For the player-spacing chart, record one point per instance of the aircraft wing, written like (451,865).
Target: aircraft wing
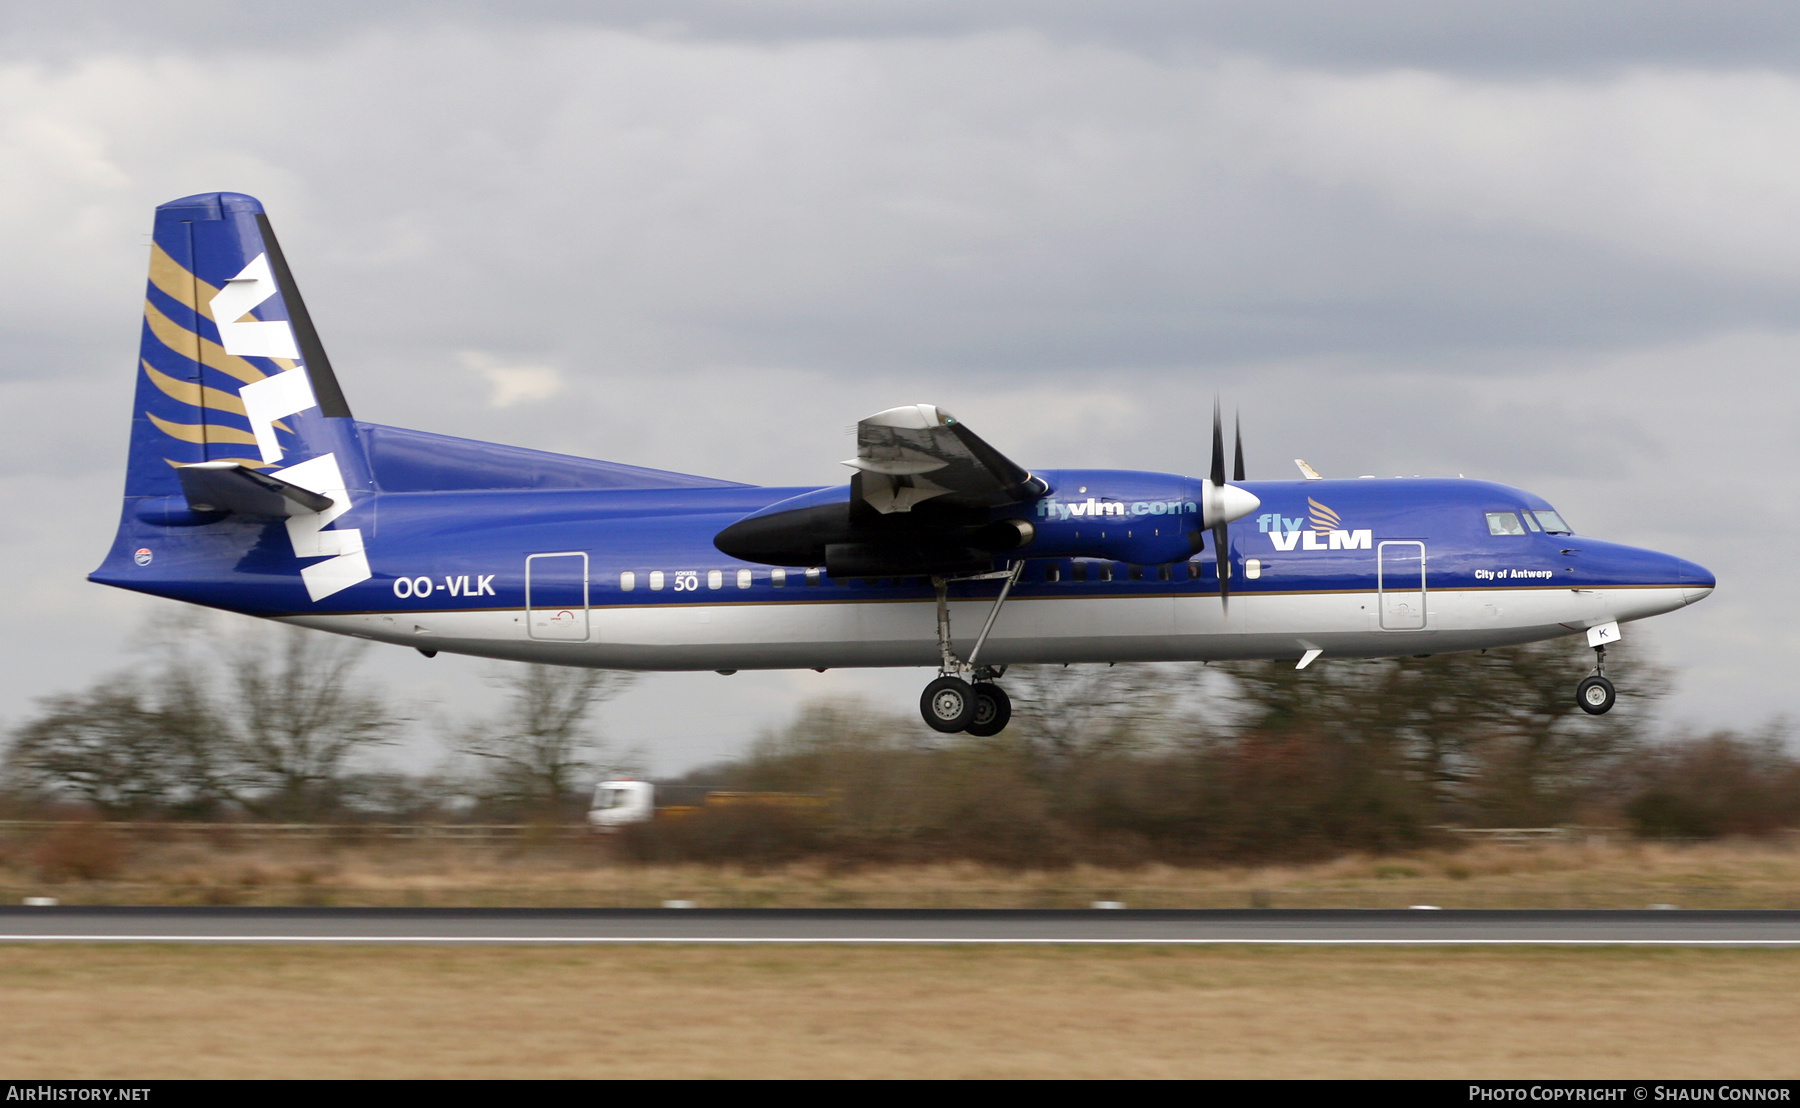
(906,456)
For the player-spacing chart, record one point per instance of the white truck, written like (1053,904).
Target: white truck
(620,802)
(623,801)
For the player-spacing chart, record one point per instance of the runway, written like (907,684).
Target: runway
(575,926)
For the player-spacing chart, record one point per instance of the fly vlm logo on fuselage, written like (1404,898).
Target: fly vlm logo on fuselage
(1325,533)
(1093,507)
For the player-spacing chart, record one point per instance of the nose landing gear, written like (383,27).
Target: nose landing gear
(1595,694)
(976,705)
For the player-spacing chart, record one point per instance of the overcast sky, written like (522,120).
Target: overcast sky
(1551,244)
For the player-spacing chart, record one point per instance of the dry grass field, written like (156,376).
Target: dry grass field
(175,1011)
(1617,873)
(195,1011)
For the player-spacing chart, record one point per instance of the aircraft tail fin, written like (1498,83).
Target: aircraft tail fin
(230,368)
(237,414)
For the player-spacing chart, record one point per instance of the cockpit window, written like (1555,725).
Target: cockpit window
(1531,520)
(1504,523)
(1553,523)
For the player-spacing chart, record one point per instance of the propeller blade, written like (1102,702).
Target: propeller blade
(1222,556)
(1218,453)
(1221,540)
(1237,469)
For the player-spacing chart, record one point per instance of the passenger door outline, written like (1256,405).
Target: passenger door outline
(1400,587)
(553,610)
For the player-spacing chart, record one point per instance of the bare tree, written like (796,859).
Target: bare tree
(1067,712)
(134,744)
(543,748)
(1493,736)
(297,713)
(131,748)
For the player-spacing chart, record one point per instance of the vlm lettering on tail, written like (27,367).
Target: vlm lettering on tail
(251,487)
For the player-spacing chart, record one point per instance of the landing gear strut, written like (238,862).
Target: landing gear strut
(964,696)
(1595,693)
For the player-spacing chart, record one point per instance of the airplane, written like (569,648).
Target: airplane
(250,487)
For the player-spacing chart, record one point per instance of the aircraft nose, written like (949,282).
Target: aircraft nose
(1696,580)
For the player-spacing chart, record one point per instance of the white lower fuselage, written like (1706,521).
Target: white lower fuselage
(868,632)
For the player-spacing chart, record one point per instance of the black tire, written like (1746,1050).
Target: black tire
(993,711)
(948,704)
(1596,696)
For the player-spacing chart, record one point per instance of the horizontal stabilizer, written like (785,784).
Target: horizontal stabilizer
(234,487)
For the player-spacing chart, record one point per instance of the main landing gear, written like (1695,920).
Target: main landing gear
(1595,693)
(981,708)
(964,696)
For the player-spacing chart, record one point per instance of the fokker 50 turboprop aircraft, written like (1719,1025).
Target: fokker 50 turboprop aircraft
(250,487)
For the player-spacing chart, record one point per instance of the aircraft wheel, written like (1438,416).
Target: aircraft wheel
(1595,695)
(948,705)
(993,710)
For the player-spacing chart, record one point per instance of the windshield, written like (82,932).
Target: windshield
(610,798)
(1553,523)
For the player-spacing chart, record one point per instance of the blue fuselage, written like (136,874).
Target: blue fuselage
(1118,569)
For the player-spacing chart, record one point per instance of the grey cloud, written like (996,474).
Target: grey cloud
(1531,36)
(989,204)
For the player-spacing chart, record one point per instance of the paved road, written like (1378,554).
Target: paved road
(530,925)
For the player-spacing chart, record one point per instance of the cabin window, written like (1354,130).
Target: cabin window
(1136,573)
(1078,571)
(1504,523)
(627,581)
(656,580)
(715,579)
(812,578)
(743,578)
(1162,573)
(1193,571)
(1106,571)
(778,577)
(1252,568)
(1553,523)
